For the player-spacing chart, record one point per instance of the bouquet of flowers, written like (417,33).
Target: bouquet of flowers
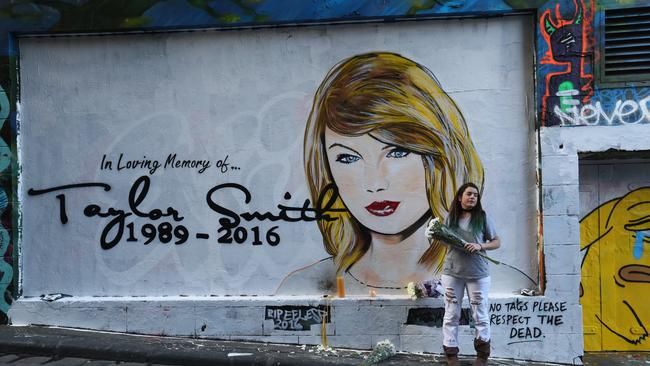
(383,350)
(439,231)
(414,291)
(429,288)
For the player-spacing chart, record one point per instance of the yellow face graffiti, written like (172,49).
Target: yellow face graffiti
(615,241)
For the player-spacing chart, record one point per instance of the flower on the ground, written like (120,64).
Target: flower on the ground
(383,350)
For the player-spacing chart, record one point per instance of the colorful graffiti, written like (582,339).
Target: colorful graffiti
(615,242)
(594,114)
(569,47)
(61,15)
(6,260)
(609,107)
(5,107)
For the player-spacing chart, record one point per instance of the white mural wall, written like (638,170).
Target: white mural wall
(172,164)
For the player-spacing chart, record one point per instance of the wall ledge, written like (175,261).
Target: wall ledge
(352,322)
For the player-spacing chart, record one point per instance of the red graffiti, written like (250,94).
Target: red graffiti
(569,44)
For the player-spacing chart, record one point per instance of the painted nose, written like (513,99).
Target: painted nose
(375,180)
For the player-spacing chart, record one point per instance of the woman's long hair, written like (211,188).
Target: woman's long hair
(477,221)
(398,102)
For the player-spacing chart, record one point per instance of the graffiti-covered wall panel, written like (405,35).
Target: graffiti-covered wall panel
(566,30)
(615,206)
(268,161)
(7,197)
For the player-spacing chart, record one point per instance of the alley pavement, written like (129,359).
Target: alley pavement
(50,346)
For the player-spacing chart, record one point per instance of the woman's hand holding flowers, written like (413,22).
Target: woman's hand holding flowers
(437,230)
(473,247)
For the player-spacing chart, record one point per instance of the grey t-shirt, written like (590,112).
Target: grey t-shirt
(466,265)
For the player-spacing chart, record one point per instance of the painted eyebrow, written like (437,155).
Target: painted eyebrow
(345,147)
(388,146)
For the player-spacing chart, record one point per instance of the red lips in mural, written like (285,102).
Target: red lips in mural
(383,208)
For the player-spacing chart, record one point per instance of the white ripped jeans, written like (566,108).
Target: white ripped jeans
(477,290)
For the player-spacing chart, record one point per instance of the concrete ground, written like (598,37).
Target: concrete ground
(34,360)
(617,358)
(56,346)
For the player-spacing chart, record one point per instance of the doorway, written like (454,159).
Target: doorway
(615,248)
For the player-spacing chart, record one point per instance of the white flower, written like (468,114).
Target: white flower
(414,290)
(410,290)
(383,350)
(431,227)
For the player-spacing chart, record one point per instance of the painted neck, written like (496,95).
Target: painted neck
(392,260)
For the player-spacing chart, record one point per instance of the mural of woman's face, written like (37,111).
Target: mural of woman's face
(382,185)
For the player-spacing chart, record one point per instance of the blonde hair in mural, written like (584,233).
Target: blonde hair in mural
(397,102)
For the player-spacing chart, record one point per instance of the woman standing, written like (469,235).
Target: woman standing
(465,270)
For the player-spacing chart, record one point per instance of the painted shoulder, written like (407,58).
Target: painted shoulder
(318,278)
